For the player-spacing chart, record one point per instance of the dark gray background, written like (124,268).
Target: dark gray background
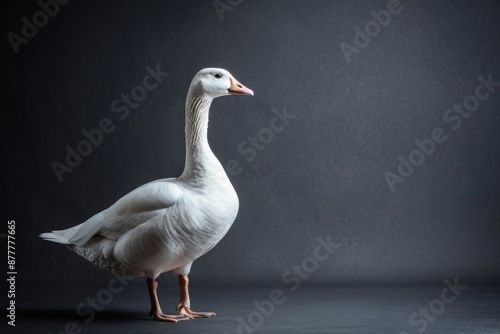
(322,175)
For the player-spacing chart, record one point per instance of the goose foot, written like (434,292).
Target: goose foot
(168,317)
(184,306)
(186,311)
(156,312)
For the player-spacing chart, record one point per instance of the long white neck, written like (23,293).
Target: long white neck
(200,160)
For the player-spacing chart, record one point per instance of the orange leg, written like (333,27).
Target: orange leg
(184,305)
(155,305)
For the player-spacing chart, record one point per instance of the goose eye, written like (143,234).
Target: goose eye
(218,75)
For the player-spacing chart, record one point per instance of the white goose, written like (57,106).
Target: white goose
(166,224)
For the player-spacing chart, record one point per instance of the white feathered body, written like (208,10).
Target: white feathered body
(158,227)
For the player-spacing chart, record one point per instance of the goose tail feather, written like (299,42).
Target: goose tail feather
(61,236)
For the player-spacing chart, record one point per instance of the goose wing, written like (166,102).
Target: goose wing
(128,212)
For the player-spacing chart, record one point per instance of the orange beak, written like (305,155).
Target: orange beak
(238,89)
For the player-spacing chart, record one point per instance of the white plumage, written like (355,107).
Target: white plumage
(167,224)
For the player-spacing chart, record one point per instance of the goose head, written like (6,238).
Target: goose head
(214,82)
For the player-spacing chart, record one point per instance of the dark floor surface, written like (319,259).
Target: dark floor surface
(352,310)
